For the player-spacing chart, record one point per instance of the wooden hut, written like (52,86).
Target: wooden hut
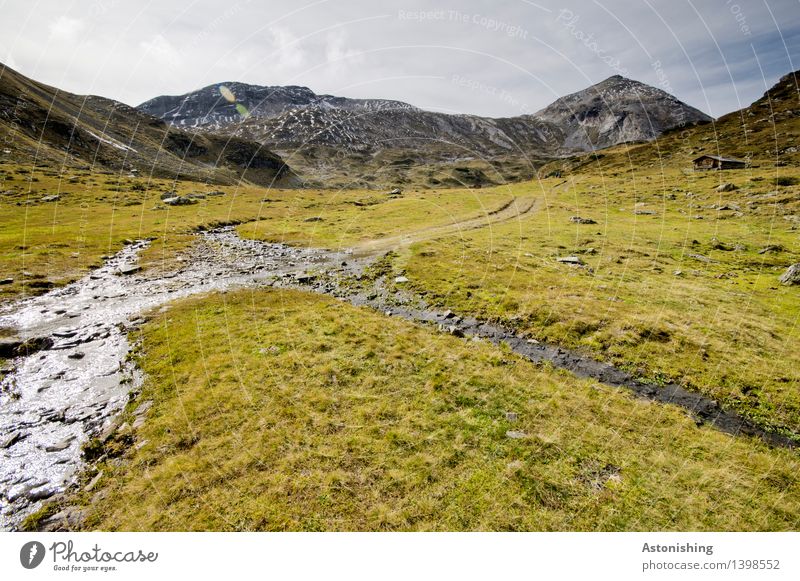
(716,162)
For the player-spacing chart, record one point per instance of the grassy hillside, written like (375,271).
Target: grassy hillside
(44,126)
(289,411)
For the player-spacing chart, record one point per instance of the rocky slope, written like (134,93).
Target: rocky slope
(615,111)
(44,125)
(288,118)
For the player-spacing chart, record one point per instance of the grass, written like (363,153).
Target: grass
(280,410)
(46,244)
(664,293)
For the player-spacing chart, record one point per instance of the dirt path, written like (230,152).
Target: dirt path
(515,208)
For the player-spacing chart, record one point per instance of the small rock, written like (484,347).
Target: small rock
(455,331)
(579,220)
(143,408)
(59,446)
(644,212)
(6,280)
(127,269)
(448,314)
(400,279)
(12,439)
(512,416)
(726,187)
(93,482)
(792,275)
(314,219)
(53,198)
(701,258)
(40,494)
(179,201)
(77,355)
(768,249)
(515,435)
(570,260)
(396,192)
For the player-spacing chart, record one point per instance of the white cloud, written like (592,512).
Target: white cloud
(338,57)
(286,50)
(66,28)
(161,52)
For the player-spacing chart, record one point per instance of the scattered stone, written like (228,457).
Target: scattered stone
(792,275)
(127,269)
(179,201)
(644,212)
(515,435)
(314,219)
(40,494)
(60,446)
(68,519)
(455,331)
(770,248)
(53,198)
(304,278)
(701,258)
(77,355)
(726,187)
(574,260)
(400,279)
(512,416)
(169,195)
(216,193)
(12,439)
(93,482)
(579,220)
(448,314)
(6,280)
(717,244)
(143,408)
(396,192)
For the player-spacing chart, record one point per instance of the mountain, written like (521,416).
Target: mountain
(615,111)
(765,132)
(611,112)
(42,124)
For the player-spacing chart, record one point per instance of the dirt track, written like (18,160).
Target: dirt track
(515,208)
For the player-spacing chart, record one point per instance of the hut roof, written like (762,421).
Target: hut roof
(718,158)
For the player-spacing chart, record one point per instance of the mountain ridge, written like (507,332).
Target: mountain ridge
(607,113)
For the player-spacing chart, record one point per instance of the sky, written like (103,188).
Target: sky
(496,58)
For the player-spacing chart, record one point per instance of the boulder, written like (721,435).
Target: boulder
(574,260)
(727,187)
(53,198)
(792,275)
(579,220)
(6,280)
(396,192)
(126,269)
(179,201)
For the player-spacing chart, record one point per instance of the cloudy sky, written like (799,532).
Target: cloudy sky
(498,58)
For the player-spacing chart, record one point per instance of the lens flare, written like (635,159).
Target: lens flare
(242,110)
(227,94)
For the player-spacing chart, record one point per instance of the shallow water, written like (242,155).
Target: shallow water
(55,399)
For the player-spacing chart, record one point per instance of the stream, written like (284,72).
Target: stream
(54,399)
